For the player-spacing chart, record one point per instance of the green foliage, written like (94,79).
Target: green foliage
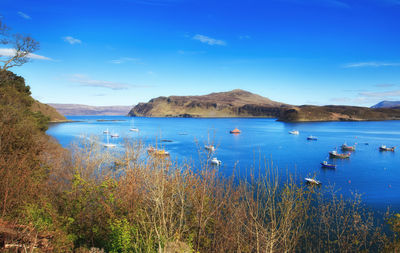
(9,79)
(121,236)
(39,217)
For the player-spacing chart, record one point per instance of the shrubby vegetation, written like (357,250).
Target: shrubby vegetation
(90,199)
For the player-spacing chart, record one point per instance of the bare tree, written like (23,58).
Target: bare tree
(20,48)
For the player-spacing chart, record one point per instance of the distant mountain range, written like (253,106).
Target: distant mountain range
(240,103)
(387,104)
(77,109)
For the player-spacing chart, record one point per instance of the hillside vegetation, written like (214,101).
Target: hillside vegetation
(307,113)
(91,199)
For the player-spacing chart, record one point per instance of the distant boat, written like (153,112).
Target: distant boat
(235,131)
(106,131)
(384,148)
(133,129)
(325,164)
(215,161)
(346,147)
(312,138)
(157,152)
(108,144)
(335,154)
(210,148)
(114,135)
(312,181)
(295,132)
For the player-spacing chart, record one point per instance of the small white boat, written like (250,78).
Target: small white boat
(215,161)
(384,148)
(133,129)
(312,181)
(114,135)
(335,154)
(312,138)
(108,144)
(210,148)
(295,132)
(106,131)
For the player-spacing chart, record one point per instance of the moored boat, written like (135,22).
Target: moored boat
(157,152)
(295,132)
(346,147)
(312,138)
(210,148)
(108,144)
(114,135)
(235,131)
(312,181)
(335,154)
(384,148)
(133,129)
(215,161)
(325,164)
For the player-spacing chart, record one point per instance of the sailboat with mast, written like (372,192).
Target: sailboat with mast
(108,144)
(133,129)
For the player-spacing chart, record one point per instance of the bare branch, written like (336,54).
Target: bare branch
(22,47)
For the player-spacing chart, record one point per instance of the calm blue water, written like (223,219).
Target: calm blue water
(374,174)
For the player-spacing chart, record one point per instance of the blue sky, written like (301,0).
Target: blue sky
(121,52)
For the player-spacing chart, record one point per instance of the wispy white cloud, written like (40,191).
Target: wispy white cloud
(371,64)
(71,40)
(209,40)
(84,80)
(381,94)
(385,85)
(124,60)
(7,52)
(24,15)
(354,101)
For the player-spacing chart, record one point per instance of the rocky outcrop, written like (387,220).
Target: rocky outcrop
(308,113)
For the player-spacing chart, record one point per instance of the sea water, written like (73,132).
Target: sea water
(374,174)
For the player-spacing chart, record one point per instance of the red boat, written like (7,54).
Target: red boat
(235,131)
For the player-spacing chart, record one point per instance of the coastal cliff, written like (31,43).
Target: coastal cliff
(309,113)
(235,103)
